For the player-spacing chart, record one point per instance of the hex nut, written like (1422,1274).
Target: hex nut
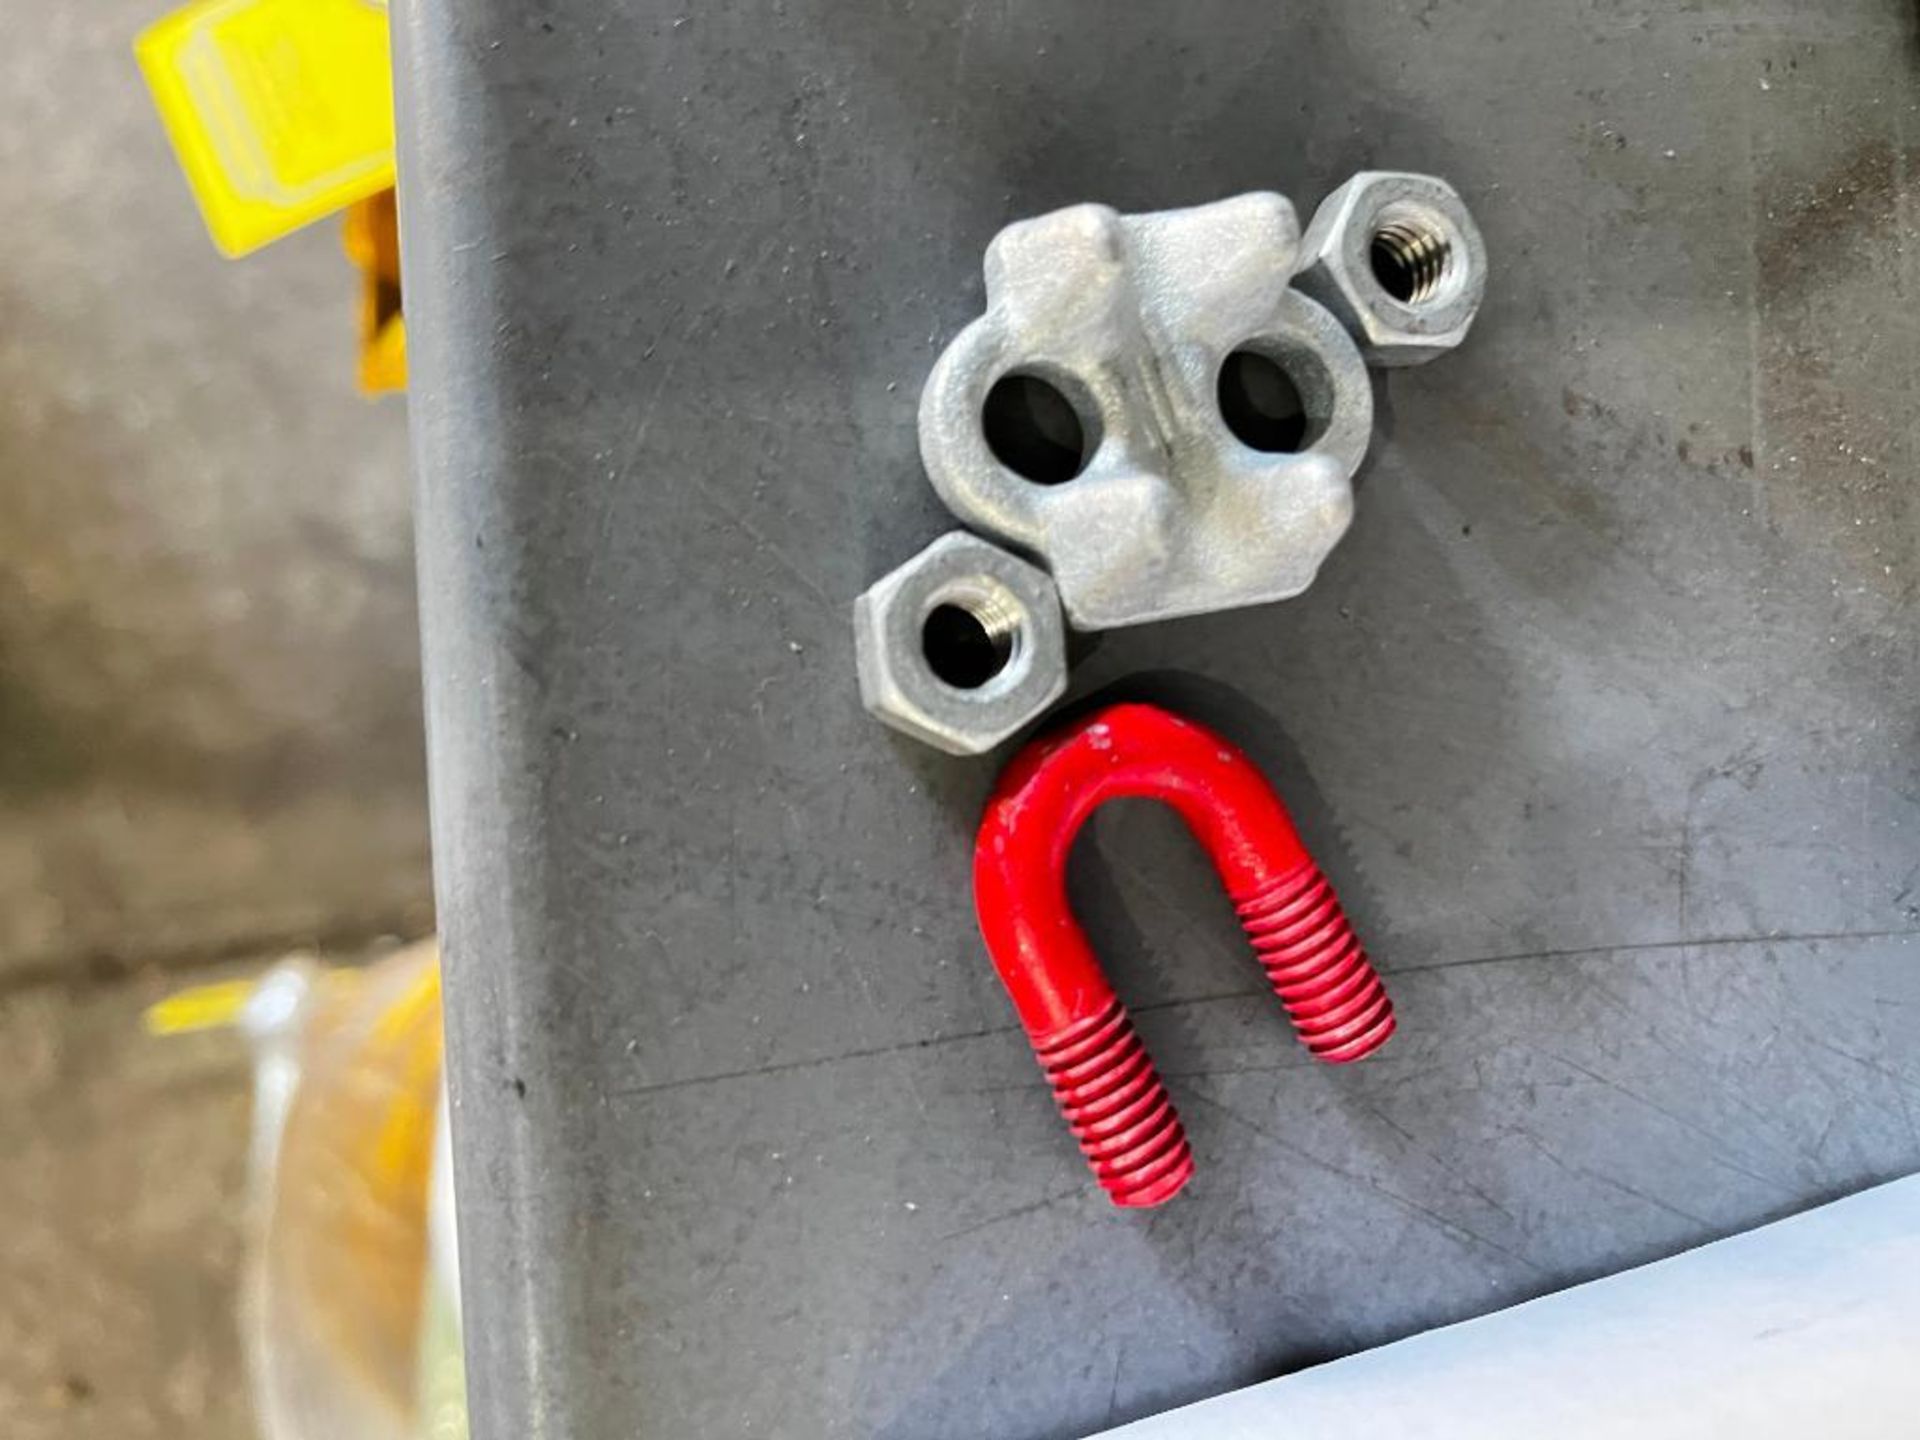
(1399,260)
(1010,610)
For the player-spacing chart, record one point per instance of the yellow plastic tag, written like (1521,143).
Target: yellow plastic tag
(281,111)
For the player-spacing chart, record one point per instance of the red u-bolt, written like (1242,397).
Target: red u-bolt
(1112,1097)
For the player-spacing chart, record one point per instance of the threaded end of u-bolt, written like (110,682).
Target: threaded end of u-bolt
(1317,967)
(1117,1107)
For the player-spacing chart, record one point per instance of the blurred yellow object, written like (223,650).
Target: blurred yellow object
(219,1006)
(349,1311)
(372,241)
(204,1007)
(345,1245)
(281,111)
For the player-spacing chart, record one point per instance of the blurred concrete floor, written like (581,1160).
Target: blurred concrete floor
(209,719)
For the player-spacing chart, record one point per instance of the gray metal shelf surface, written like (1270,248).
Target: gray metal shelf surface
(1602,717)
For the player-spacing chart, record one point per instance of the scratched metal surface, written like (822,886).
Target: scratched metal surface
(1604,714)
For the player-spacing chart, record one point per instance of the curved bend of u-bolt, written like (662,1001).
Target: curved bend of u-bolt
(1105,1083)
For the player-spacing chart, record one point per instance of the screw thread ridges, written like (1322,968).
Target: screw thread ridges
(1316,966)
(1117,1107)
(1415,255)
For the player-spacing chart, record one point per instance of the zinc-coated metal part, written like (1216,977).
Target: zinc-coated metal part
(1016,606)
(1131,318)
(1415,228)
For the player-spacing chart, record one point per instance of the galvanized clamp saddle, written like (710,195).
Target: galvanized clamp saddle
(1165,412)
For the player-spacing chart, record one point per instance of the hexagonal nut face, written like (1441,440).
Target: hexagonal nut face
(961,646)
(1399,260)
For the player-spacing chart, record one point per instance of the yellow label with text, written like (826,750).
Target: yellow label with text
(281,111)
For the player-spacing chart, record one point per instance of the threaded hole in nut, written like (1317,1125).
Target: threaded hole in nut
(970,641)
(1033,430)
(1410,259)
(1275,403)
